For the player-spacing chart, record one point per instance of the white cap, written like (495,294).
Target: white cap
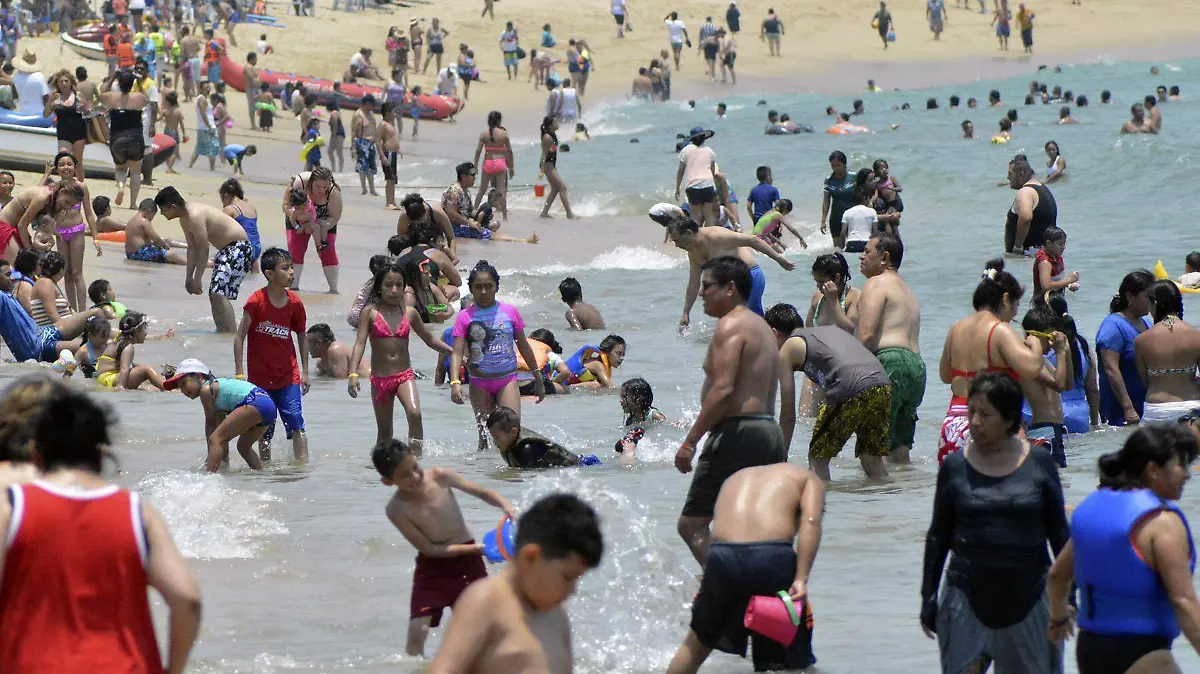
(663,212)
(186,367)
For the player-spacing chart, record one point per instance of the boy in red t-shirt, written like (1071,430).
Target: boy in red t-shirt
(269,317)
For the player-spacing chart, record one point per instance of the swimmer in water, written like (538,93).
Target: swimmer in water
(1064,115)
(332,356)
(1005,130)
(1044,392)
(1057,168)
(835,298)
(580,315)
(969,130)
(1137,122)
(523,448)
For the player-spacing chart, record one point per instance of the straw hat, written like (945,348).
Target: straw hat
(28,63)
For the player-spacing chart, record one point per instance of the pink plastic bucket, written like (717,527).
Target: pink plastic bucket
(776,618)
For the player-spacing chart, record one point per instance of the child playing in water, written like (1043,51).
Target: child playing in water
(592,366)
(523,448)
(95,335)
(366,294)
(236,156)
(426,513)
(767,227)
(333,357)
(303,214)
(105,222)
(1044,392)
(269,319)
(392,374)
(103,297)
(1191,263)
(233,408)
(581,132)
(1049,270)
(580,315)
(517,616)
(637,402)
(115,367)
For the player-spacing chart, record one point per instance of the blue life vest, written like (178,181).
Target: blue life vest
(1120,594)
(575,362)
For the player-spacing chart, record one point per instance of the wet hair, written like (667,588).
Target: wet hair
(1002,392)
(831,265)
(169,196)
(729,269)
(1136,281)
(421,232)
(784,206)
(97,325)
(954,101)
(762,173)
(1005,124)
(611,342)
(1105,96)
(52,263)
(1165,300)
(546,337)
(97,290)
(863,193)
(547,122)
(1021,170)
(414,206)
(680,225)
(562,525)
(322,173)
(321,331)
(388,454)
(570,290)
(272,258)
(784,319)
(464,169)
(505,418)
(1054,235)
(931,104)
(639,394)
(1174,91)
(996,283)
(994,95)
(1193,260)
(1150,101)
(1066,323)
(1028,99)
(1040,318)
(20,408)
(493,123)
(129,326)
(376,263)
(391,266)
(101,206)
(233,189)
(485,267)
(838,156)
(1157,443)
(1011,114)
(892,245)
(1081,101)
(26,261)
(298,197)
(147,206)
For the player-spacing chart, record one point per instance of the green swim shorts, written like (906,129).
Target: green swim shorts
(907,372)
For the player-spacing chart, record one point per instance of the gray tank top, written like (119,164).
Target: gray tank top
(840,364)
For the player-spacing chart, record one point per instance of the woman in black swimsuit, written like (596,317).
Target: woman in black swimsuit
(548,165)
(126,140)
(69,106)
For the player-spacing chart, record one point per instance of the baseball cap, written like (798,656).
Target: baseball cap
(663,212)
(186,367)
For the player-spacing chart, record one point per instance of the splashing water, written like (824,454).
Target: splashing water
(210,519)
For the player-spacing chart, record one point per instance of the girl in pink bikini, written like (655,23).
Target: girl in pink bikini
(498,165)
(487,336)
(70,230)
(392,375)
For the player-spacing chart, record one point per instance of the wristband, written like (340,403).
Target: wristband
(353,375)
(455,383)
(242,377)
(688,446)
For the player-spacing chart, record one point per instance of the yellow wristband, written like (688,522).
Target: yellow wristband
(240,376)
(354,375)
(455,383)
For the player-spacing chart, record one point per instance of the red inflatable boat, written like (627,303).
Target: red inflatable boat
(428,106)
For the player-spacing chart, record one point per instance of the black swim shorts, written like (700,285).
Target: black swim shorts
(126,146)
(526,388)
(701,195)
(388,164)
(733,444)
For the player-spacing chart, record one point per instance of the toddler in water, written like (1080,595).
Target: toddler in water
(424,509)
(96,334)
(523,448)
(767,227)
(637,402)
(889,188)
(1192,266)
(103,297)
(303,214)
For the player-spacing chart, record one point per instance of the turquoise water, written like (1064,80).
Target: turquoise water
(302,572)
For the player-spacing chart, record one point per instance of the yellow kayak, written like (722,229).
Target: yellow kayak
(1160,273)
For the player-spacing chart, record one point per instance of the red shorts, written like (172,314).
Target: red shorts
(438,581)
(7,234)
(955,432)
(297,243)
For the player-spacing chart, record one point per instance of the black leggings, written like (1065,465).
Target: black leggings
(1102,654)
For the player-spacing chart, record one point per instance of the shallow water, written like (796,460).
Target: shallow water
(301,570)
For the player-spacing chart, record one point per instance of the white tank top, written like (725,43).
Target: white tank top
(204,115)
(570,109)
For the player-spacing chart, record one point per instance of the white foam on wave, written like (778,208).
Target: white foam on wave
(210,519)
(605,127)
(623,257)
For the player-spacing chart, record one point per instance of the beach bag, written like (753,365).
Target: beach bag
(520,53)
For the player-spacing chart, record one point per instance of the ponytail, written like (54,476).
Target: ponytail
(1158,444)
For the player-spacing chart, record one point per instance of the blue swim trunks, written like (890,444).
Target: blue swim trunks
(47,343)
(758,285)
(261,401)
(510,59)
(214,73)
(287,401)
(149,253)
(465,232)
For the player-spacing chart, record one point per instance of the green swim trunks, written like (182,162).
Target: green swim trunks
(907,372)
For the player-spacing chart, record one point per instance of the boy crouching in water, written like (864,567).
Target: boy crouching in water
(425,511)
(514,622)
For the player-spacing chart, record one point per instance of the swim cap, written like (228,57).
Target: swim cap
(662,213)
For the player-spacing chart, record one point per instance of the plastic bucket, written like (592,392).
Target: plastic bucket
(776,617)
(539,190)
(504,533)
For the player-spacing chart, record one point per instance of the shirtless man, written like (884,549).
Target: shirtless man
(643,88)
(514,622)
(253,83)
(143,244)
(362,149)
(189,56)
(225,14)
(203,226)
(1153,114)
(387,143)
(889,325)
(414,208)
(737,407)
(580,315)
(1138,122)
(332,356)
(758,513)
(704,244)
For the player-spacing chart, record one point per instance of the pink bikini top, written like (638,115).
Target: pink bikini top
(380,328)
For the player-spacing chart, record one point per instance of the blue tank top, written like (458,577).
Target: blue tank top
(1120,594)
(575,362)
(231,393)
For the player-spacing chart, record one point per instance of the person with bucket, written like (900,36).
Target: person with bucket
(755,582)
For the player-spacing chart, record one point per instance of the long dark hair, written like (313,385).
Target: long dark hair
(485,267)
(832,265)
(390,265)
(1135,282)
(546,123)
(1157,444)
(232,188)
(130,323)
(493,122)
(1165,300)
(411,272)
(996,283)
(1066,323)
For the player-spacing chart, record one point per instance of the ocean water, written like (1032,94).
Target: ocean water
(301,570)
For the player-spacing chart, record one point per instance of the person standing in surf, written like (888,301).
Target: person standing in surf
(549,167)
(362,151)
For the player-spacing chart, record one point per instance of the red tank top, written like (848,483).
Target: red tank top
(73,594)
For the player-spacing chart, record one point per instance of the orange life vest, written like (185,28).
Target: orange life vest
(212,52)
(541,353)
(125,55)
(110,45)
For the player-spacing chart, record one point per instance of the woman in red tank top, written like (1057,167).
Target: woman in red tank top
(79,555)
(984,342)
